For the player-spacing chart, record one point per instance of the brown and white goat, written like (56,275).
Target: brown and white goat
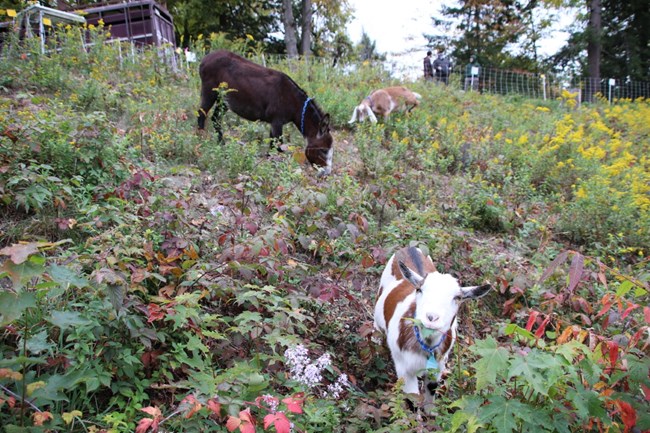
(382,102)
(410,288)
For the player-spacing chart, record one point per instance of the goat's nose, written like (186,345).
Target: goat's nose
(432,317)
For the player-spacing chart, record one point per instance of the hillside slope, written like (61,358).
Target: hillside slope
(152,278)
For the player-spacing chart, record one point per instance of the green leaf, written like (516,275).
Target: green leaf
(513,328)
(38,343)
(12,306)
(537,369)
(22,273)
(66,319)
(505,414)
(624,288)
(569,351)
(116,295)
(493,362)
(66,277)
(51,391)
(470,406)
(586,403)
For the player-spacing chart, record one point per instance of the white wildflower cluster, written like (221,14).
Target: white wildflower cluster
(310,374)
(335,389)
(271,402)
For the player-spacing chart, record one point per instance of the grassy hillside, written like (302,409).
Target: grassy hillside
(154,279)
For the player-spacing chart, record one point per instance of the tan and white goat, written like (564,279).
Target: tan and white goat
(382,102)
(410,288)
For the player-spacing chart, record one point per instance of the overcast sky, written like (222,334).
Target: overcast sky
(397,27)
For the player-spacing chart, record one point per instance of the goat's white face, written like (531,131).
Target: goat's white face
(438,297)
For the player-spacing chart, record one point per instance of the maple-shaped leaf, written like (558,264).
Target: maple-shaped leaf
(143,425)
(149,423)
(505,415)
(538,369)
(294,403)
(494,360)
(279,421)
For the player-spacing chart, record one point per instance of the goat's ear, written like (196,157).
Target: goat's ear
(411,276)
(371,115)
(475,292)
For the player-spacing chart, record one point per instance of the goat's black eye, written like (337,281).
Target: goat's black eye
(458,298)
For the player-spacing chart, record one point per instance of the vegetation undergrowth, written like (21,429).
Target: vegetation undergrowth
(155,280)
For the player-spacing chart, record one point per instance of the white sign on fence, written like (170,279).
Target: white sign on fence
(190,56)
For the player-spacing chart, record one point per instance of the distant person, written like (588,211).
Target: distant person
(472,72)
(441,67)
(428,68)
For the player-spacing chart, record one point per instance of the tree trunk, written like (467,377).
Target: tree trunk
(305,45)
(594,48)
(289,22)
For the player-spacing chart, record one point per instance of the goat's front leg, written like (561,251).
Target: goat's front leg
(276,136)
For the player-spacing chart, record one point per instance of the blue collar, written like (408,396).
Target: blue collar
(302,117)
(423,345)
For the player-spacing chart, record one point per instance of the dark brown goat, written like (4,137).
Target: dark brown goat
(255,92)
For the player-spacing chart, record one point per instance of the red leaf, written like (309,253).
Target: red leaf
(561,258)
(193,406)
(607,304)
(143,425)
(294,403)
(153,411)
(646,313)
(214,406)
(628,310)
(279,421)
(613,352)
(628,415)
(328,292)
(245,422)
(232,423)
(281,246)
(575,271)
(540,331)
(154,312)
(531,320)
(367,261)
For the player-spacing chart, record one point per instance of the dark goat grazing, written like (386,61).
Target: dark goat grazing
(255,92)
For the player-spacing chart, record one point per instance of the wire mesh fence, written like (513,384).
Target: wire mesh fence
(550,86)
